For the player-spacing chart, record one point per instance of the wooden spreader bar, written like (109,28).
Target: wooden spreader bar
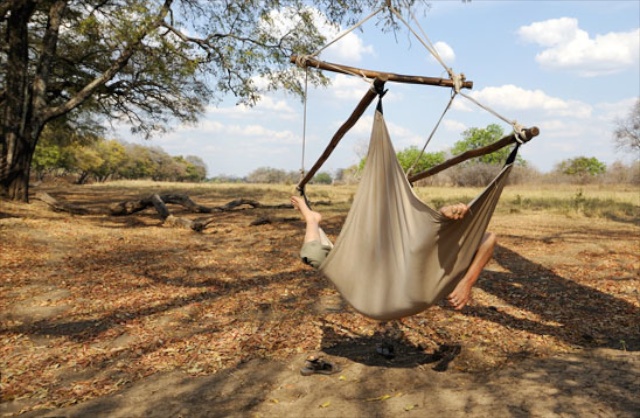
(501,143)
(380,78)
(398,78)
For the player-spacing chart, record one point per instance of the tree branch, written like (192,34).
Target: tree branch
(118,64)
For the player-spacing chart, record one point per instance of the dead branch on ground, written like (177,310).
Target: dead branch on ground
(159,203)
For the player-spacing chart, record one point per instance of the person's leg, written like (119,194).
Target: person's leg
(462,292)
(312,219)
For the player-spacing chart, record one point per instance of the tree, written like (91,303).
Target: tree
(407,158)
(138,164)
(196,169)
(627,133)
(268,175)
(148,63)
(112,154)
(474,138)
(584,169)
(54,149)
(86,160)
(322,178)
(481,170)
(47,158)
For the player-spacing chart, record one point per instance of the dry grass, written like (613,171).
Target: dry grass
(277,192)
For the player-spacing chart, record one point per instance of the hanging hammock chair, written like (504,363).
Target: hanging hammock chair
(396,256)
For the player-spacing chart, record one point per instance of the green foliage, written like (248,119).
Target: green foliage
(151,64)
(113,155)
(408,156)
(474,138)
(196,169)
(46,158)
(322,178)
(582,166)
(104,159)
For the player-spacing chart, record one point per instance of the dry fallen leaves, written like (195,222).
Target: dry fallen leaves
(90,305)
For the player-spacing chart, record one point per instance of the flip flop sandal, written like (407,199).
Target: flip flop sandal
(318,366)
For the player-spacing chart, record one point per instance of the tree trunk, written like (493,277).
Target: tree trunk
(15,177)
(17,128)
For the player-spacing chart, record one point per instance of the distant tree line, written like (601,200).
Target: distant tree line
(94,158)
(97,159)
(480,171)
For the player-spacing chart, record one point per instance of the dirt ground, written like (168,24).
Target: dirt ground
(125,317)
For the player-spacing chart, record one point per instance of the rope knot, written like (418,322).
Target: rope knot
(302,59)
(457,81)
(519,133)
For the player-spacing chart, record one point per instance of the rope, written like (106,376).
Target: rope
(457,79)
(304,122)
(430,136)
(425,42)
(519,133)
(301,60)
(345,33)
(518,129)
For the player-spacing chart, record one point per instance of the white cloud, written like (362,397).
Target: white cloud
(348,88)
(362,126)
(618,110)
(266,107)
(445,52)
(255,133)
(567,47)
(341,46)
(515,98)
(403,136)
(453,126)
(351,48)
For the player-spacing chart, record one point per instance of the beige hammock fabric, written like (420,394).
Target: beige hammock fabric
(395,256)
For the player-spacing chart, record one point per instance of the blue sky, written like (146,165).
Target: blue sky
(569,67)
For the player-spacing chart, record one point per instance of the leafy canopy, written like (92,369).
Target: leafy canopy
(474,138)
(149,62)
(413,157)
(582,166)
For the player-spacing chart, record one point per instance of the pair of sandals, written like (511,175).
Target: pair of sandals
(316,365)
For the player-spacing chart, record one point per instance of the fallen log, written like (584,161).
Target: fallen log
(159,203)
(129,207)
(58,206)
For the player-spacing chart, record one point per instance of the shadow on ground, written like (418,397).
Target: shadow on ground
(581,315)
(601,383)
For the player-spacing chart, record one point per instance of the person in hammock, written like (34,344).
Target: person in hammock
(314,252)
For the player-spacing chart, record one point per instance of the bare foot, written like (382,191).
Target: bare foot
(461,295)
(308,214)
